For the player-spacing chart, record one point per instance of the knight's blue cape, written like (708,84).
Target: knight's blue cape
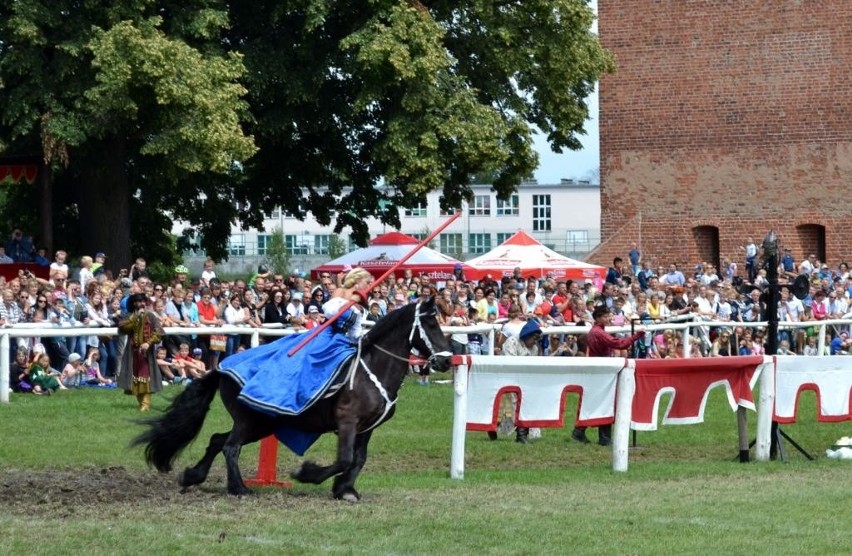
(278,384)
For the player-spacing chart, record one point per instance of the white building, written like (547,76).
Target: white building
(564,216)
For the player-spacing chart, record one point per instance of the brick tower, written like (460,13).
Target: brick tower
(726,119)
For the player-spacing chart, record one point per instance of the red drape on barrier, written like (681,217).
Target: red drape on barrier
(690,380)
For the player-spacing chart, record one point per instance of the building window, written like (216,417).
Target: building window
(509,207)
(577,236)
(451,244)
(419,236)
(479,243)
(321,244)
(541,213)
(481,206)
(419,210)
(295,245)
(263,242)
(274,214)
(502,237)
(237,245)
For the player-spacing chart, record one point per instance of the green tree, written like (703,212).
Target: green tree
(336,246)
(214,111)
(135,108)
(277,254)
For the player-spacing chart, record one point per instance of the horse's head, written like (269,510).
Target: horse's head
(427,338)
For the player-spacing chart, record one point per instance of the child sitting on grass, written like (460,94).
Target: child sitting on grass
(93,375)
(72,373)
(192,367)
(43,378)
(170,369)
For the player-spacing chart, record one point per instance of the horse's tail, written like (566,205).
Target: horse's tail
(169,433)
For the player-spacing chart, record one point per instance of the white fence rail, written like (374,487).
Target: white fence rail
(42,330)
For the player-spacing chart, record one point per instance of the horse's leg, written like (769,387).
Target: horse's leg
(310,472)
(198,474)
(249,426)
(344,484)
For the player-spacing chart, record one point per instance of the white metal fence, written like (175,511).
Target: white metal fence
(686,328)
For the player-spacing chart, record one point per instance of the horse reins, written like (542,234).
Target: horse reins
(375,380)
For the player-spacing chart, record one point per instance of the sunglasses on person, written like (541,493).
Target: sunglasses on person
(158,289)
(41,301)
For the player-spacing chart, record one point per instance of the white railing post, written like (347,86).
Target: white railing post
(820,340)
(4,368)
(255,338)
(765,409)
(687,343)
(626,389)
(459,420)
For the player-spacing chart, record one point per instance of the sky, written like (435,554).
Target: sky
(572,164)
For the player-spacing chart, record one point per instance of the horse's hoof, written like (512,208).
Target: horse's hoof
(296,474)
(349,496)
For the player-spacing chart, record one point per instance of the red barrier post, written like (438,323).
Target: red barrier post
(267,465)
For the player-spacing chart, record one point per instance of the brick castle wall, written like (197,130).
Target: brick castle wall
(725,120)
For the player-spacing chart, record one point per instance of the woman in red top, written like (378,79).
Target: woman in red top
(208,315)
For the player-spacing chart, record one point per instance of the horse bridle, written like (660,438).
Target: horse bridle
(417,326)
(359,361)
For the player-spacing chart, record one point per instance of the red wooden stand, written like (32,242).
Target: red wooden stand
(267,465)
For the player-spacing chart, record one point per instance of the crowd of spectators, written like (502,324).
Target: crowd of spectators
(634,292)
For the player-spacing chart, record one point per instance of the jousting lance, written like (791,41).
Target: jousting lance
(314,332)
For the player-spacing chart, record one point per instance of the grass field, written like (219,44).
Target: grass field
(70,485)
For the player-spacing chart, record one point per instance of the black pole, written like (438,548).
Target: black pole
(770,258)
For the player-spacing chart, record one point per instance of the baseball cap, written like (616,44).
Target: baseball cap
(313,309)
(74,357)
(100,254)
(196,352)
(262,269)
(180,269)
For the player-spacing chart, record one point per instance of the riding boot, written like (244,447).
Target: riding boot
(522,435)
(605,435)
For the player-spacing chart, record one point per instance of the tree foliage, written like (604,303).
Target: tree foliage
(217,112)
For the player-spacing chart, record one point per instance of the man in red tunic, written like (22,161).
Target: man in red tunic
(601,343)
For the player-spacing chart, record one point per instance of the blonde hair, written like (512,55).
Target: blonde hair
(354,276)
(85,259)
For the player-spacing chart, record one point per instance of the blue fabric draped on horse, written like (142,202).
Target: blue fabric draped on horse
(361,404)
(275,383)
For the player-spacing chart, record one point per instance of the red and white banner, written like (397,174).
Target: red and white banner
(541,384)
(829,377)
(690,381)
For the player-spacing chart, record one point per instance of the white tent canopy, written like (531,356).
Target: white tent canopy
(534,259)
(386,250)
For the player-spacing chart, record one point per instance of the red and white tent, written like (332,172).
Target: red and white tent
(533,258)
(386,250)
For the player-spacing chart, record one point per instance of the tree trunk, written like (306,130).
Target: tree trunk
(104,197)
(45,208)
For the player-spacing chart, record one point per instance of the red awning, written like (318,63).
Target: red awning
(17,172)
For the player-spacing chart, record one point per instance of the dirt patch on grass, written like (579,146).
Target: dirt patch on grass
(67,492)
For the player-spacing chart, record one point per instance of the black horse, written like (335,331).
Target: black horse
(365,401)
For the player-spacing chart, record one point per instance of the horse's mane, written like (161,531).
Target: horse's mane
(389,323)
